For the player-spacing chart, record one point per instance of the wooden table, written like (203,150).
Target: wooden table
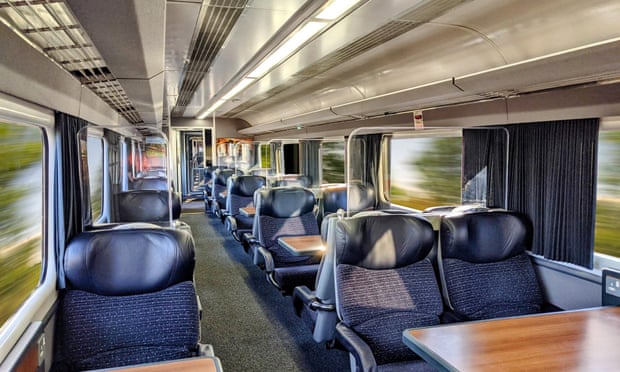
(581,340)
(303,245)
(247,211)
(202,364)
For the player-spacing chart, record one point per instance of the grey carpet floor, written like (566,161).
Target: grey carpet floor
(251,326)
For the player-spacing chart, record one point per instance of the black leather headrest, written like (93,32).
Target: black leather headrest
(147,206)
(383,241)
(301,181)
(246,185)
(128,262)
(222,176)
(151,183)
(361,197)
(482,237)
(283,202)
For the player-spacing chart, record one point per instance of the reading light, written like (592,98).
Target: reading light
(304,34)
(336,9)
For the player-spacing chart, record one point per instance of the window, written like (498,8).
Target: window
(265,156)
(95,175)
(21,215)
(607,234)
(332,162)
(425,172)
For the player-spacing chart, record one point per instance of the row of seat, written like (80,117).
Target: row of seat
(383,273)
(282,211)
(215,184)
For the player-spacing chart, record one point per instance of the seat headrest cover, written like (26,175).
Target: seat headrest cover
(361,197)
(222,176)
(128,262)
(151,183)
(147,206)
(284,202)
(301,181)
(383,241)
(482,237)
(246,185)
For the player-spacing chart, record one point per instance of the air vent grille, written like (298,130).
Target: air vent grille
(215,21)
(50,27)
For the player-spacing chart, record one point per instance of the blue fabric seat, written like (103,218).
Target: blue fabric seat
(220,182)
(384,284)
(484,268)
(317,307)
(130,299)
(284,211)
(241,195)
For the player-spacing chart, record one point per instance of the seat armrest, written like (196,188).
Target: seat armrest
(358,348)
(267,259)
(302,295)
(231,225)
(250,238)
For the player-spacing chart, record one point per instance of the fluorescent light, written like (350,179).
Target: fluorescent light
(336,9)
(238,88)
(304,34)
(211,109)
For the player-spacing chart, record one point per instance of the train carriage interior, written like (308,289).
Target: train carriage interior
(309,185)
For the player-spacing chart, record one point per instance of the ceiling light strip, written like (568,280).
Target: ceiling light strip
(285,50)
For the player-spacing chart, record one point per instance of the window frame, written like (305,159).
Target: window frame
(41,300)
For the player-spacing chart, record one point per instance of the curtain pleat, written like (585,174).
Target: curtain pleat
(69,193)
(554,182)
(551,178)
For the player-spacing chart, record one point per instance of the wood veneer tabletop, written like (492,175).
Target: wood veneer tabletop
(582,340)
(202,364)
(247,211)
(303,245)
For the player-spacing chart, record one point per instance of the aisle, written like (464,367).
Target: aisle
(251,326)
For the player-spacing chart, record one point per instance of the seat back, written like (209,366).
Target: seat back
(384,282)
(241,195)
(293,180)
(282,211)
(130,299)
(241,192)
(361,197)
(219,185)
(484,268)
(148,206)
(150,183)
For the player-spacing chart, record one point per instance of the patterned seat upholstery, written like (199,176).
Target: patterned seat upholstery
(284,211)
(362,198)
(130,299)
(241,195)
(384,284)
(484,268)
